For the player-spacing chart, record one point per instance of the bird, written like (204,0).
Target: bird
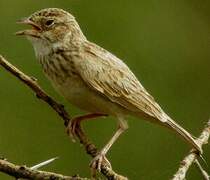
(92,78)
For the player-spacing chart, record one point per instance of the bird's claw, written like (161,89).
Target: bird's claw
(97,161)
(71,129)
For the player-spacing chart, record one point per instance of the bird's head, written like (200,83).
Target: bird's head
(51,25)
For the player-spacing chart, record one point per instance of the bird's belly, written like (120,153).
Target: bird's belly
(80,95)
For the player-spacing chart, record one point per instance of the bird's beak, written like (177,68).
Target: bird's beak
(34,31)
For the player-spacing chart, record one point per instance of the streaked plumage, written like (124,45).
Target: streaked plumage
(90,77)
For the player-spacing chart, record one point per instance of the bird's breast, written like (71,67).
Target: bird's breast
(64,78)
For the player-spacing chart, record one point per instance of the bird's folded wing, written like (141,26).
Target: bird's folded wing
(108,75)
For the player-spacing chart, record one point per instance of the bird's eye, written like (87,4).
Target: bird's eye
(49,22)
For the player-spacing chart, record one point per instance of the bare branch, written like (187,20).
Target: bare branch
(203,172)
(40,93)
(59,108)
(192,156)
(24,172)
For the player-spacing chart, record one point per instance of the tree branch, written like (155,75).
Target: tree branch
(40,93)
(202,171)
(59,108)
(192,156)
(24,172)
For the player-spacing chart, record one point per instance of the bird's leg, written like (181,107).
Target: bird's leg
(75,123)
(97,161)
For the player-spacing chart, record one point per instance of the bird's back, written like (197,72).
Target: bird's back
(106,74)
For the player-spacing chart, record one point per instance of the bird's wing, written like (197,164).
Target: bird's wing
(107,74)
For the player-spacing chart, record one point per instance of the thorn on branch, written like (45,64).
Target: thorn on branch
(44,163)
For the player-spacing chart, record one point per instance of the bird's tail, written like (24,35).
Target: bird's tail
(183,133)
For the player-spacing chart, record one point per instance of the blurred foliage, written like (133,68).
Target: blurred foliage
(166,44)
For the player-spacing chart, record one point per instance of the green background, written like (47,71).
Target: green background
(166,44)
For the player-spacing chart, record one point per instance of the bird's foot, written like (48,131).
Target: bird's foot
(97,161)
(71,128)
(75,122)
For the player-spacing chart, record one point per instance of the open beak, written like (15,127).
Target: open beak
(34,31)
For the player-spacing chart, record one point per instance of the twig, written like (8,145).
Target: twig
(192,156)
(24,172)
(40,93)
(59,108)
(203,172)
